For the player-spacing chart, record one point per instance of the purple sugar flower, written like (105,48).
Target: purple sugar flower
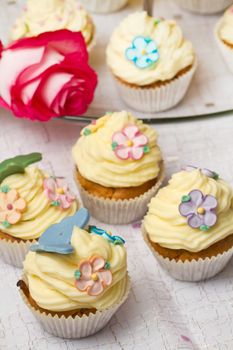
(204,171)
(199,209)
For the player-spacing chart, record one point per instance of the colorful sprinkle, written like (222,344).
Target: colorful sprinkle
(6,224)
(185,199)
(77,274)
(86,132)
(5,188)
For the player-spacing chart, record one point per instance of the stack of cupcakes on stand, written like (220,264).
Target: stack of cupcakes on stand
(30,202)
(118,167)
(151,61)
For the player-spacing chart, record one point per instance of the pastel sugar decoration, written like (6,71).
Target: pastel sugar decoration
(11,207)
(93,276)
(107,235)
(199,209)
(56,239)
(204,171)
(143,52)
(130,142)
(17,164)
(58,192)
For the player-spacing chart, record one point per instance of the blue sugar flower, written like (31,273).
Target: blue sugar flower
(143,52)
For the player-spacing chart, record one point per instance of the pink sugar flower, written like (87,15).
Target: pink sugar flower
(93,276)
(130,142)
(58,192)
(11,207)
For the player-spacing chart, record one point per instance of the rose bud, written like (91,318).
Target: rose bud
(46,76)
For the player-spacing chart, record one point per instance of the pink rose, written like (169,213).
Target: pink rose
(46,76)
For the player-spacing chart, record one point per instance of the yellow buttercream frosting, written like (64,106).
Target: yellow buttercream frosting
(39,213)
(166,226)
(226,28)
(51,278)
(175,53)
(96,160)
(41,16)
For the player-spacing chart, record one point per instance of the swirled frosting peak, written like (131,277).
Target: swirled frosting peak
(192,212)
(93,276)
(166,52)
(29,205)
(118,151)
(49,15)
(226,28)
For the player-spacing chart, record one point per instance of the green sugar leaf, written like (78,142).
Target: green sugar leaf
(17,164)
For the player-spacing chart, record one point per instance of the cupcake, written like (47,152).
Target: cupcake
(74,280)
(30,202)
(224,37)
(204,6)
(189,224)
(45,16)
(151,62)
(118,167)
(103,6)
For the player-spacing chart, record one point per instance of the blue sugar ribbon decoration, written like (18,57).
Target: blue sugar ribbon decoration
(117,240)
(56,239)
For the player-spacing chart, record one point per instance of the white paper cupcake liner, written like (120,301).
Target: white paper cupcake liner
(157,99)
(77,327)
(226,51)
(204,6)
(195,270)
(119,211)
(14,253)
(103,6)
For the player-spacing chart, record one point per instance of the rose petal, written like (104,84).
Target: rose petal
(119,138)
(85,269)
(130,131)
(137,153)
(210,218)
(105,277)
(19,204)
(195,221)
(96,289)
(97,263)
(9,59)
(209,202)
(83,284)
(123,153)
(13,216)
(140,140)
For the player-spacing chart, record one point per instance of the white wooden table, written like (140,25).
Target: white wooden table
(161,313)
